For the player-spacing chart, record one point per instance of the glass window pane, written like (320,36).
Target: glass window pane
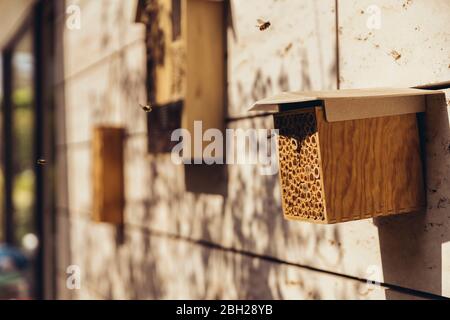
(23,179)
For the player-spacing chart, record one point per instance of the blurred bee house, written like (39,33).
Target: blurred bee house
(185,64)
(350,154)
(108,174)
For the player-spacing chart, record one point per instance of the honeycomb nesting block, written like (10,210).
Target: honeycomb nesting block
(348,170)
(108,174)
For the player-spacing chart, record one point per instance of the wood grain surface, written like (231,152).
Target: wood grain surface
(108,174)
(371,167)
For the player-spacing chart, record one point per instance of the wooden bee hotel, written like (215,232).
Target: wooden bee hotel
(350,154)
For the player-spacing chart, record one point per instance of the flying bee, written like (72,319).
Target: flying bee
(146,108)
(41,162)
(262,25)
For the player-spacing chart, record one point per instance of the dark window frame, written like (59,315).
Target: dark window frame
(34,22)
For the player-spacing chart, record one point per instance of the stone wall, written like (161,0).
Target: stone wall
(181,244)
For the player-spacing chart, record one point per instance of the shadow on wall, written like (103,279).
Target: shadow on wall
(154,264)
(411,244)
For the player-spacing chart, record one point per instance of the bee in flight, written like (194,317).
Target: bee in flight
(41,161)
(262,25)
(146,108)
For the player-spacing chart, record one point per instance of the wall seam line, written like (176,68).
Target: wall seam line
(212,245)
(97,63)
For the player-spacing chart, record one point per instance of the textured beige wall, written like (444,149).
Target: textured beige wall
(414,249)
(101,79)
(13,13)
(411,47)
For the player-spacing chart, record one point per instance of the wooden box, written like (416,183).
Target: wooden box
(186,53)
(349,154)
(108,174)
